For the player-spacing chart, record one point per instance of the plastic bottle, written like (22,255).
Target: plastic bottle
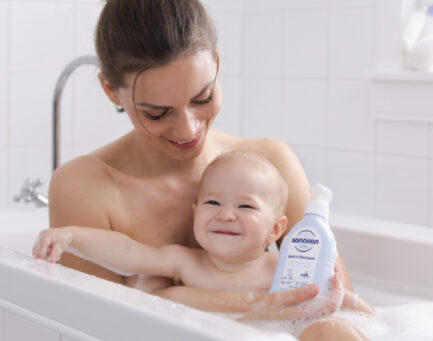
(309,251)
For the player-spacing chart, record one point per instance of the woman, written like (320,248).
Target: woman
(159,61)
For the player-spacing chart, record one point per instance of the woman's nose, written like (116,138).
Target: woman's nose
(187,125)
(226,214)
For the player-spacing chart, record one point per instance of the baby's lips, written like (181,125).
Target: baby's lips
(228,232)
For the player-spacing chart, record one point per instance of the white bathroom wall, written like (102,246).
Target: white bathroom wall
(314,73)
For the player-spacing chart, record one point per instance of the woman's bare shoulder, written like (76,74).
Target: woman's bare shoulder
(85,170)
(78,193)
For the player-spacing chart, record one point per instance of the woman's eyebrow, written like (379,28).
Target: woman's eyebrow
(203,90)
(154,106)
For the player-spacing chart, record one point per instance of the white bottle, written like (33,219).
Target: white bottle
(309,251)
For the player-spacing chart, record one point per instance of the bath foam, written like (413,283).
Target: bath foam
(399,323)
(311,311)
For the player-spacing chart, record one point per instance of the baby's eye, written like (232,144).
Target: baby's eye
(246,206)
(212,202)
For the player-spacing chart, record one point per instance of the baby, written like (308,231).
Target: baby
(239,211)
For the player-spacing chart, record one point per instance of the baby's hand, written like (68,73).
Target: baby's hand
(51,243)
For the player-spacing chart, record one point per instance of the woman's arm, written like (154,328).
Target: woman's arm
(78,196)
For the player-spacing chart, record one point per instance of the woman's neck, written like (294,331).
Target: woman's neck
(152,159)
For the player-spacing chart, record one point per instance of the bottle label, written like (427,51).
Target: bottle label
(302,256)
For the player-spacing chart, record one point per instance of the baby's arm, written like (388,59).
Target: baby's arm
(112,250)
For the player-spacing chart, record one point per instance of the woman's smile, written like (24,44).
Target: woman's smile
(187,144)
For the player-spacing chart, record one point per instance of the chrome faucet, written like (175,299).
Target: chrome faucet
(28,190)
(29,193)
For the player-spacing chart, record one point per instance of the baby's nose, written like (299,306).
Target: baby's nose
(226,214)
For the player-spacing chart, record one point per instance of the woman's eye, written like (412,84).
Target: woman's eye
(154,117)
(212,202)
(205,101)
(246,206)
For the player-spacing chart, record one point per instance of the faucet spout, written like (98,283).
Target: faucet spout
(61,82)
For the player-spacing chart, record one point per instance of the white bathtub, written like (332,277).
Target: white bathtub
(390,264)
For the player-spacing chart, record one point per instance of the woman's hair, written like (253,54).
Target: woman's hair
(136,35)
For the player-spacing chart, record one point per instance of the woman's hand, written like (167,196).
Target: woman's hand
(281,305)
(294,304)
(51,243)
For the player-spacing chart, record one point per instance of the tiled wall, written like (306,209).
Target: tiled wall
(301,71)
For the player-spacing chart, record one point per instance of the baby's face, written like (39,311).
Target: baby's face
(234,216)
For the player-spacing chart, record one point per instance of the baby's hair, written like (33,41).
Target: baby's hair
(257,159)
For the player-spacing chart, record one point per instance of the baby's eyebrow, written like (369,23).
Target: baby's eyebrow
(154,106)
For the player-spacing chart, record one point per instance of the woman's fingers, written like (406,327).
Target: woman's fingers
(281,305)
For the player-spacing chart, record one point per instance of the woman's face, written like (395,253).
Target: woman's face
(174,105)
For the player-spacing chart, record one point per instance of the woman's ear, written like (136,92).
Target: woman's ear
(278,229)
(108,89)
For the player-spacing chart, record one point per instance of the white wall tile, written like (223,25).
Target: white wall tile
(19,328)
(352,3)
(262,108)
(223,5)
(94,2)
(430,198)
(403,138)
(283,5)
(96,122)
(229,26)
(4,35)
(4,109)
(350,125)
(3,184)
(31,97)
(87,15)
(351,176)
(403,99)
(229,119)
(313,161)
(28,162)
(41,36)
(263,44)
(304,116)
(351,42)
(402,189)
(388,30)
(306,44)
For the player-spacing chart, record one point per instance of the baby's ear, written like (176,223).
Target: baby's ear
(278,229)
